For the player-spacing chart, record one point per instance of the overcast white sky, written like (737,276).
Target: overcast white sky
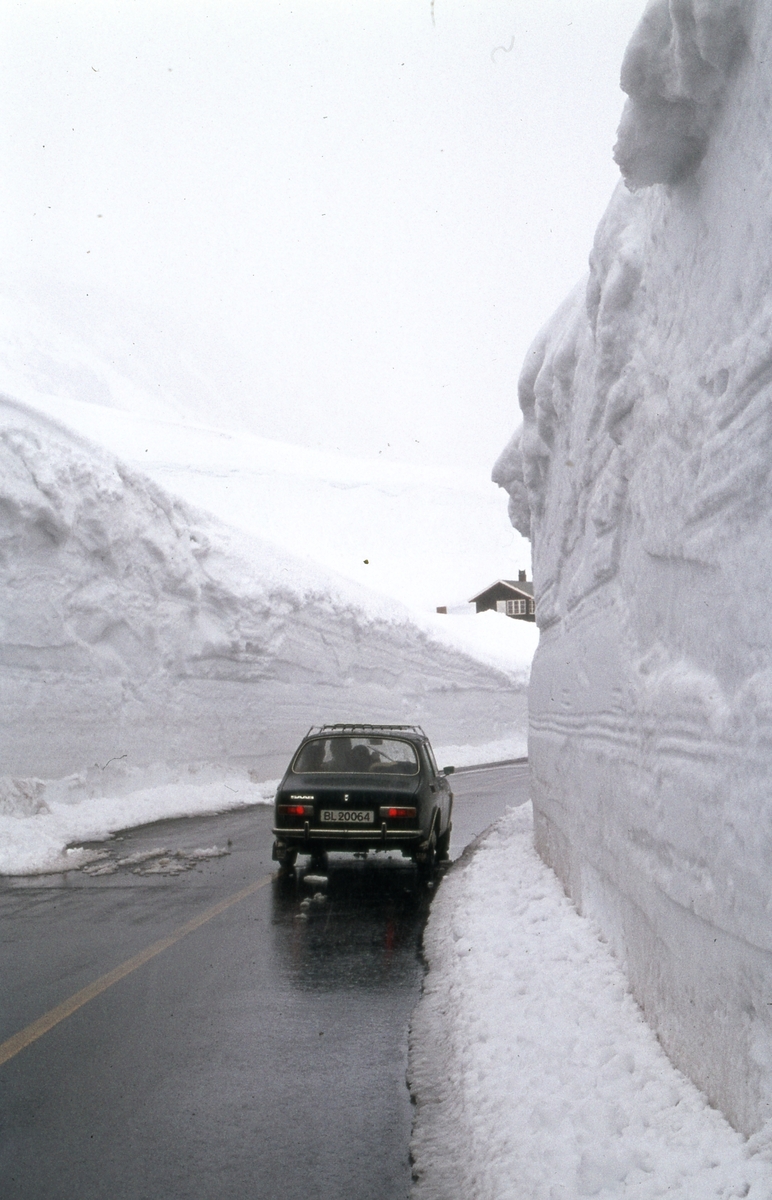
(369,208)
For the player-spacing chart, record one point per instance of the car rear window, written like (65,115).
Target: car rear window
(356,755)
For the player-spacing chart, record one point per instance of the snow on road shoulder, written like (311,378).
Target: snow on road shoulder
(40,822)
(506,749)
(489,637)
(533,1070)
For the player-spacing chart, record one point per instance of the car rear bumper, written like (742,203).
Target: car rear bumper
(350,839)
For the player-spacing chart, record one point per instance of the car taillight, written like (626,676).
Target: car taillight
(391,813)
(296,810)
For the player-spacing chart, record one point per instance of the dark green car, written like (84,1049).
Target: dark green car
(363,787)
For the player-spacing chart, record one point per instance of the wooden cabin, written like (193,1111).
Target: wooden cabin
(513,597)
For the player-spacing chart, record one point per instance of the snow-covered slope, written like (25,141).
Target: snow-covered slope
(162,399)
(140,637)
(426,535)
(643,473)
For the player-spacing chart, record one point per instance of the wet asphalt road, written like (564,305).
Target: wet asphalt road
(261,1055)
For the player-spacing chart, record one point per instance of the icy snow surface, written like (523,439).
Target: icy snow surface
(534,1073)
(642,471)
(149,652)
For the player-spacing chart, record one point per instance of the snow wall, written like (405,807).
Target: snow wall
(642,473)
(136,631)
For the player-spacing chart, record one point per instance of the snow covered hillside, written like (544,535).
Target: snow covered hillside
(140,638)
(153,394)
(643,474)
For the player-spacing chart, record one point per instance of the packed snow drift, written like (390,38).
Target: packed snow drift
(534,1074)
(642,472)
(149,651)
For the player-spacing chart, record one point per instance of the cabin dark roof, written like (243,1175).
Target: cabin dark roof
(522,587)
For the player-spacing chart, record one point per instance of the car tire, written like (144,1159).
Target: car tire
(287,863)
(443,845)
(427,864)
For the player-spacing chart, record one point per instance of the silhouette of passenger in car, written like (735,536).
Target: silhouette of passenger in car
(340,754)
(361,759)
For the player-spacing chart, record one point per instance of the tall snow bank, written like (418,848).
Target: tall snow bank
(140,638)
(642,472)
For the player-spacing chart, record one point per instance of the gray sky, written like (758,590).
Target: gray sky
(356,215)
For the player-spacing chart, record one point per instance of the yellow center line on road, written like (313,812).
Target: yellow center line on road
(32,1032)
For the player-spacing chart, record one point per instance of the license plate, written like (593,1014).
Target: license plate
(347,816)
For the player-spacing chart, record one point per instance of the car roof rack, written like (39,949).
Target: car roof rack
(361,727)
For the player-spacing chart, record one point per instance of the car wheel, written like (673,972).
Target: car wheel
(427,864)
(443,846)
(287,863)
